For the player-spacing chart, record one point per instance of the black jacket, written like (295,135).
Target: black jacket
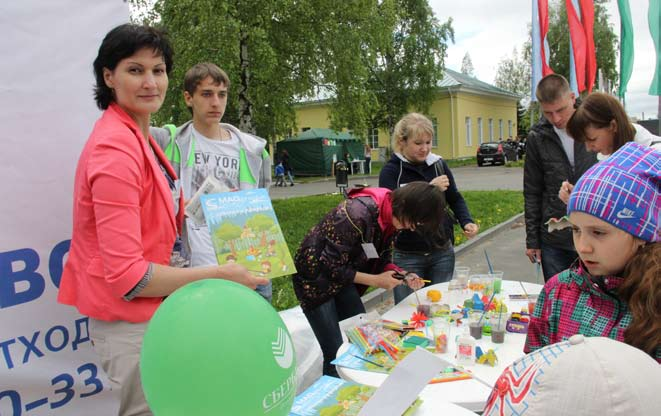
(398,172)
(546,167)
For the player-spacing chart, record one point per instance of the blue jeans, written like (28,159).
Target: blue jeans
(555,260)
(325,322)
(266,291)
(436,266)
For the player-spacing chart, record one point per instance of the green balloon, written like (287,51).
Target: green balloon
(215,347)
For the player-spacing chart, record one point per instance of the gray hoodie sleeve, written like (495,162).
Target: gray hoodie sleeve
(161,136)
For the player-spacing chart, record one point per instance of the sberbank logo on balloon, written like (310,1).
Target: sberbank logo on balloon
(283,351)
(281,394)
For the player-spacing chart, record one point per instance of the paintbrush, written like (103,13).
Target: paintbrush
(369,361)
(486,308)
(488,262)
(461,370)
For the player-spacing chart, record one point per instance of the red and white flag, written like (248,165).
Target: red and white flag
(540,45)
(583,70)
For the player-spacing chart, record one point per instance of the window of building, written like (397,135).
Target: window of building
(305,129)
(469,136)
(373,137)
(509,128)
(500,129)
(434,125)
(480,135)
(490,129)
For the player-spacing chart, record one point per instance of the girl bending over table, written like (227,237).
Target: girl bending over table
(350,249)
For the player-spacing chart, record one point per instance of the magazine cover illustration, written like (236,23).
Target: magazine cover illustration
(245,230)
(330,396)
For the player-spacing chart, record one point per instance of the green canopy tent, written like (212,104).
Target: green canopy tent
(311,153)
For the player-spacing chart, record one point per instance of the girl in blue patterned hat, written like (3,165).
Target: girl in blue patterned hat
(614,289)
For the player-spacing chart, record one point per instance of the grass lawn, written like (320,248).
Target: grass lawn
(518,164)
(298,215)
(455,163)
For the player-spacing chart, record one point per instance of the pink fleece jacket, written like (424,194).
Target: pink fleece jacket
(123,219)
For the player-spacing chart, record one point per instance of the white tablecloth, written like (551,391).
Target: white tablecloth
(469,394)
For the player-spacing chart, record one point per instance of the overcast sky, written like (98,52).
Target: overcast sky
(489,29)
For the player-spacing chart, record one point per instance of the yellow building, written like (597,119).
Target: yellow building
(466,112)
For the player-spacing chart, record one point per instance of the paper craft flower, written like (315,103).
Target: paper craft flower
(418,320)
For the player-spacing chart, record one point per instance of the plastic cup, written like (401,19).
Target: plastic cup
(462,274)
(497,281)
(532,302)
(441,331)
(475,324)
(475,283)
(498,325)
(487,281)
(424,308)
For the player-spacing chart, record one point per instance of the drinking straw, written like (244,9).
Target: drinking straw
(524,289)
(486,307)
(389,352)
(488,262)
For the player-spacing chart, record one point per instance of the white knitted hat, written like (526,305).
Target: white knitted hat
(581,376)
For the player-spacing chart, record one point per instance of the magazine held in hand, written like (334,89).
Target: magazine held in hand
(245,230)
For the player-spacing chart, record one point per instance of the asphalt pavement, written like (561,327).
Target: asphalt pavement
(468,178)
(504,244)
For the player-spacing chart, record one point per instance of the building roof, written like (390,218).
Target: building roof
(453,78)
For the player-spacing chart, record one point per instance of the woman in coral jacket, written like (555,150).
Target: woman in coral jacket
(127,212)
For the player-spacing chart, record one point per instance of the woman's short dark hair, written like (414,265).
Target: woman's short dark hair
(419,204)
(598,110)
(122,42)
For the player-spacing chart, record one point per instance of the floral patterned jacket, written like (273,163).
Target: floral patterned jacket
(331,253)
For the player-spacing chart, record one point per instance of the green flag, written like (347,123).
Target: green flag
(654,21)
(626,46)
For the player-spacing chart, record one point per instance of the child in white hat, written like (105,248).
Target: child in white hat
(582,376)
(614,288)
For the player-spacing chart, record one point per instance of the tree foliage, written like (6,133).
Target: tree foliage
(409,59)
(260,222)
(467,65)
(513,73)
(267,47)
(228,231)
(367,57)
